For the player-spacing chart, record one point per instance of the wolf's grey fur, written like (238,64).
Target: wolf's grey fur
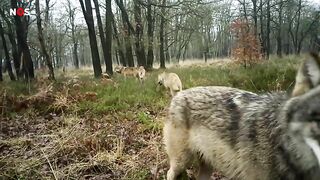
(245,135)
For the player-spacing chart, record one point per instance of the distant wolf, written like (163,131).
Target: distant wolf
(138,72)
(170,81)
(141,74)
(247,136)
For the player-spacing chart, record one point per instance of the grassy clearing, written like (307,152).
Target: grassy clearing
(83,128)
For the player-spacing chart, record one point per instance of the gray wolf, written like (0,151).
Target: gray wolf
(247,136)
(170,81)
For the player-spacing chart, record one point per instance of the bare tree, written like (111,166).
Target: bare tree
(128,29)
(7,56)
(141,55)
(161,36)
(44,50)
(119,45)
(255,16)
(12,39)
(102,38)
(87,12)
(21,24)
(72,13)
(1,77)
(109,18)
(262,33)
(301,26)
(150,22)
(268,43)
(279,27)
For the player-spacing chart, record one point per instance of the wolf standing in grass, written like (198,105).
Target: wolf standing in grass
(170,81)
(248,136)
(138,72)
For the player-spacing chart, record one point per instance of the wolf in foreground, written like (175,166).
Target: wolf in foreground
(247,136)
(170,81)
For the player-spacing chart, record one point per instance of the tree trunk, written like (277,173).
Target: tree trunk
(296,43)
(141,55)
(268,29)
(102,37)
(1,78)
(21,30)
(13,42)
(294,35)
(75,55)
(166,48)
(129,55)
(127,32)
(150,32)
(73,35)
(87,12)
(244,4)
(255,17)
(161,31)
(279,33)
(7,56)
(119,48)
(109,37)
(43,44)
(262,38)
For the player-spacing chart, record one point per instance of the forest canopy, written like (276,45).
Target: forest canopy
(51,34)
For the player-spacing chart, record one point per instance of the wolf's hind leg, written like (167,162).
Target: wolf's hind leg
(176,142)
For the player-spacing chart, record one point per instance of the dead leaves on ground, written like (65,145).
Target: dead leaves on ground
(50,97)
(114,146)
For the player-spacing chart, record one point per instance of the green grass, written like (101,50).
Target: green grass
(17,87)
(273,75)
(128,94)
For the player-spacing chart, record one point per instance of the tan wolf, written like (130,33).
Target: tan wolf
(138,72)
(247,136)
(141,74)
(170,81)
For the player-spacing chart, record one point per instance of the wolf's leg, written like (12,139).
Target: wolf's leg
(173,93)
(205,171)
(176,142)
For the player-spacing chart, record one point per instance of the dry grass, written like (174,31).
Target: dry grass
(47,136)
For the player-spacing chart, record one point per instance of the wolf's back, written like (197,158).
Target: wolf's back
(210,106)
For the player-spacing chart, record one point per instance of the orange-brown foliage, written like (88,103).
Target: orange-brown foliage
(247,48)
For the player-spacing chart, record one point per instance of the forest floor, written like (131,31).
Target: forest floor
(83,128)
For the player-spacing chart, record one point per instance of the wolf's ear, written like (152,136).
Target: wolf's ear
(308,75)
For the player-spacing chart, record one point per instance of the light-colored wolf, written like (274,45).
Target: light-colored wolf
(170,81)
(141,74)
(138,72)
(247,136)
